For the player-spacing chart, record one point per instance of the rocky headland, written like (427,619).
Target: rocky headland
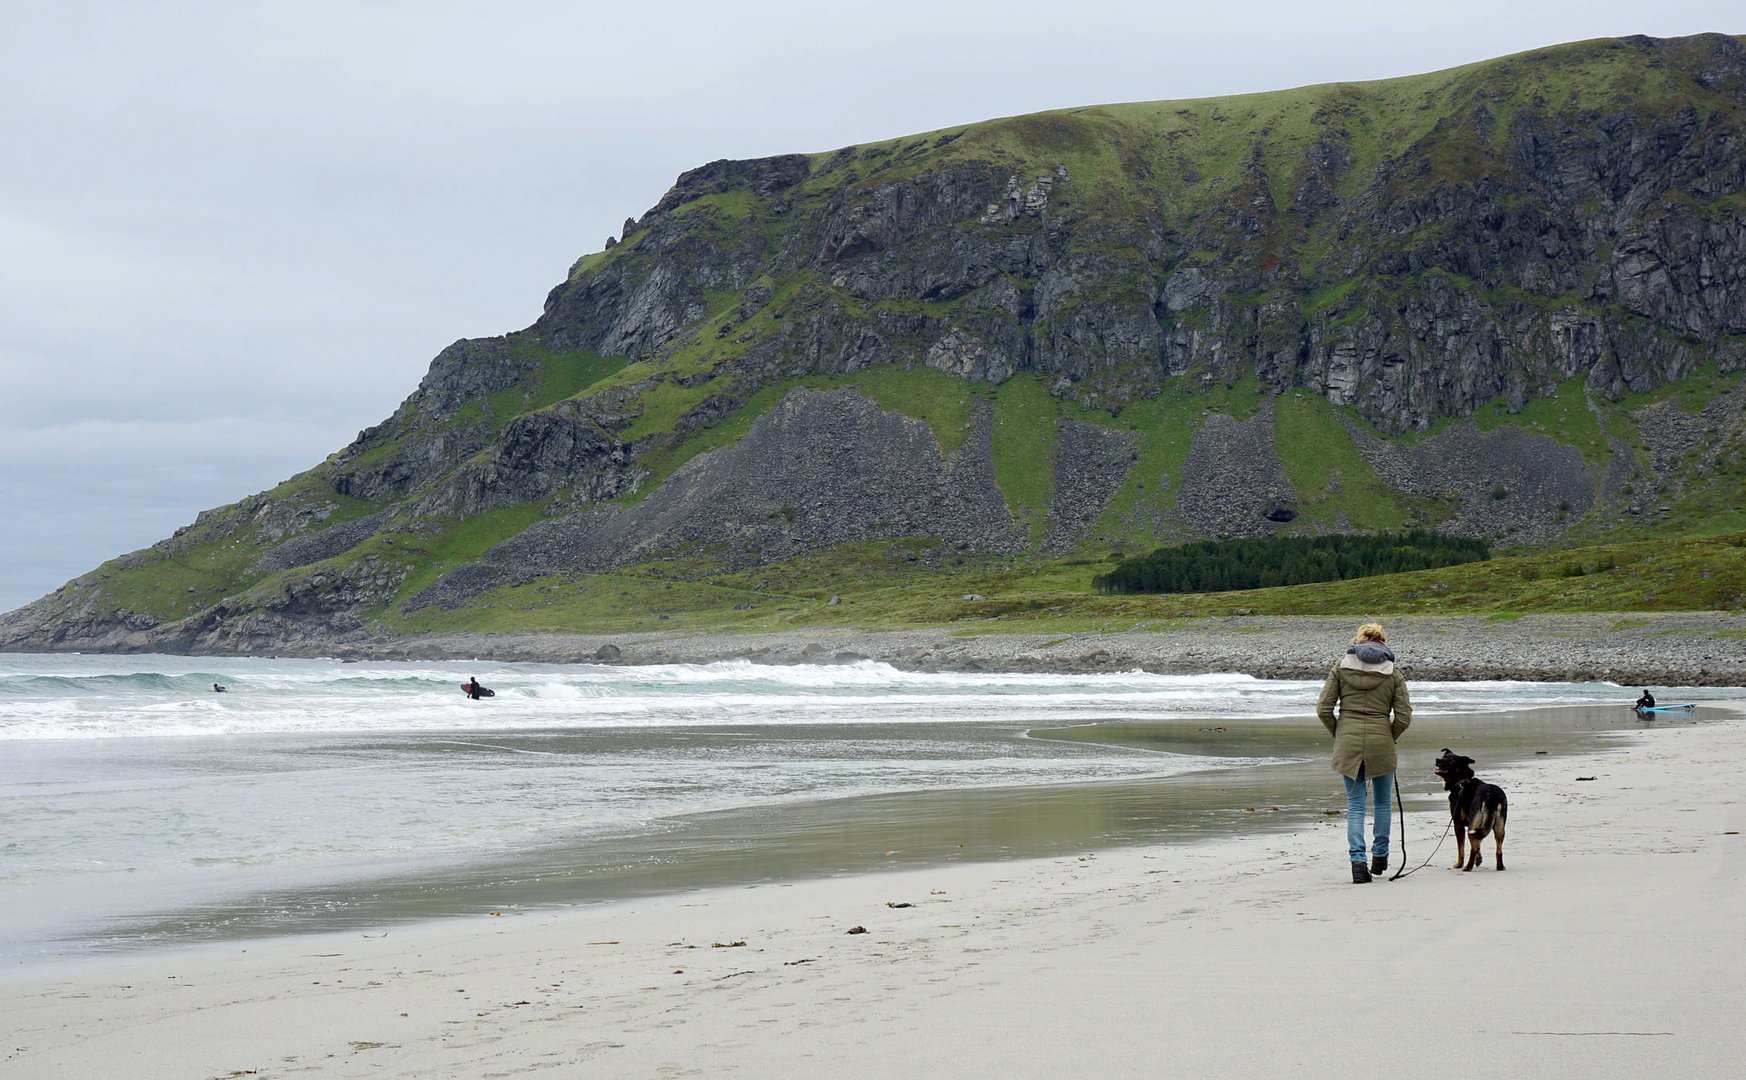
(1506,300)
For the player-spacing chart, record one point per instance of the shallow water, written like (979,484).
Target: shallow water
(142,808)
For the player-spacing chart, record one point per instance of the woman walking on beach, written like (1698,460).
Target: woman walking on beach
(1367,688)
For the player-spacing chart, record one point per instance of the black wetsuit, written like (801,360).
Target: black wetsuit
(1647,701)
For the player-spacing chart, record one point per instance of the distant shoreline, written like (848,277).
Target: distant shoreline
(1674,648)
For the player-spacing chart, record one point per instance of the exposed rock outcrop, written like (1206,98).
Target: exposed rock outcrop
(1233,483)
(820,469)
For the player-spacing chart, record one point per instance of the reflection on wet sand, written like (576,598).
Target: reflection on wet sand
(879,832)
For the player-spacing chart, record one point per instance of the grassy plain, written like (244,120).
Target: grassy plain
(913,584)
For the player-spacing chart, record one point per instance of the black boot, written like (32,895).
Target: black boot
(1360,875)
(1379,865)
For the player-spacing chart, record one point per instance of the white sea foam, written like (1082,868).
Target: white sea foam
(170,697)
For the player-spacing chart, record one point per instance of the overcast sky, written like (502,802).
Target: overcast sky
(235,233)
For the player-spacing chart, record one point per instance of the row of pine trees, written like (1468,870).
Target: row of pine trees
(1228,565)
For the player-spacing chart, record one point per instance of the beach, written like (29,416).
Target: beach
(1604,950)
(1690,648)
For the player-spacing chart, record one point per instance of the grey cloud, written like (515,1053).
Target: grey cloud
(95,489)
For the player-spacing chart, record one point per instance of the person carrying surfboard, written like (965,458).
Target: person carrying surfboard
(473,689)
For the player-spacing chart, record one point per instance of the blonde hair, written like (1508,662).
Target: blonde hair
(1368,632)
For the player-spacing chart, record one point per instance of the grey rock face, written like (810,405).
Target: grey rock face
(1090,465)
(427,435)
(329,542)
(537,455)
(1233,482)
(822,468)
(969,358)
(1018,200)
(327,605)
(1687,448)
(460,375)
(1511,485)
(1608,246)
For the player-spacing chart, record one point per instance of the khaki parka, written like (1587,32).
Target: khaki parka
(1363,733)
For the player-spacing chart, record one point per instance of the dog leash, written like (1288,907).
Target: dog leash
(1401,807)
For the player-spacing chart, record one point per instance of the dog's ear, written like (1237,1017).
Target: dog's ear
(1448,752)
(1466,760)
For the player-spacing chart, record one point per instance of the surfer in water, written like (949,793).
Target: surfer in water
(473,690)
(219,688)
(1647,701)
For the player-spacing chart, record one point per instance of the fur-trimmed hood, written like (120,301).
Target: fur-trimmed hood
(1369,656)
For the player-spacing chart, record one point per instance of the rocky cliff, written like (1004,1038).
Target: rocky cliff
(1507,299)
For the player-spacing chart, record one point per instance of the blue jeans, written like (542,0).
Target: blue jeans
(1356,791)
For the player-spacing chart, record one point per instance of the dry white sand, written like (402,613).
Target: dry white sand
(1611,947)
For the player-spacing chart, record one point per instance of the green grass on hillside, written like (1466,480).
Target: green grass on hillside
(560,374)
(665,402)
(1027,423)
(914,584)
(1335,486)
(661,461)
(1566,415)
(732,205)
(213,562)
(1193,150)
(171,587)
(1141,509)
(460,542)
(556,376)
(936,399)
(939,400)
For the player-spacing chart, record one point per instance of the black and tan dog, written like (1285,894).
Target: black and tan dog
(1475,809)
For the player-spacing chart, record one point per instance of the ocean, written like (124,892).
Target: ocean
(143,809)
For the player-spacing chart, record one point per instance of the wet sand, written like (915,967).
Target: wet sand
(885,833)
(1604,951)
